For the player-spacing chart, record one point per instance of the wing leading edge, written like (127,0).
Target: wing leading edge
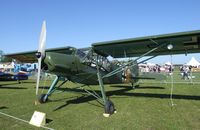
(183,42)
(29,57)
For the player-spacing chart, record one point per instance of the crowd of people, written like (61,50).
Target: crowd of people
(156,68)
(185,71)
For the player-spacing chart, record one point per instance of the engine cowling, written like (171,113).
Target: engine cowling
(60,64)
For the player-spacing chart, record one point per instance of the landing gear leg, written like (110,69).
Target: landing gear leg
(44,97)
(108,105)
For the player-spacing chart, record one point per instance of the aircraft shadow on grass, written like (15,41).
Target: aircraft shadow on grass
(8,84)
(11,87)
(5,85)
(144,87)
(151,87)
(3,107)
(121,92)
(48,120)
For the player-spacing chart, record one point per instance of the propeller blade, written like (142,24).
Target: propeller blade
(38,75)
(41,52)
(42,40)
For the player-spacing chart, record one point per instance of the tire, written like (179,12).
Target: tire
(109,107)
(42,99)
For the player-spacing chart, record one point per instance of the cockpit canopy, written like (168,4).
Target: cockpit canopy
(91,58)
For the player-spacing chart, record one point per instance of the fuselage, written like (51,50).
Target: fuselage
(80,67)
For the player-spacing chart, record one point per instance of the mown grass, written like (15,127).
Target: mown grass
(145,108)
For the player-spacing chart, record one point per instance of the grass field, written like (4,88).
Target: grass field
(145,108)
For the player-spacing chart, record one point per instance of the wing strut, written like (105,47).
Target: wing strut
(132,62)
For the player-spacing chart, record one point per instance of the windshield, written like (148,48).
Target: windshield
(89,58)
(80,53)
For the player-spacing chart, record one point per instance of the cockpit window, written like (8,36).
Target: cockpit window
(90,58)
(81,54)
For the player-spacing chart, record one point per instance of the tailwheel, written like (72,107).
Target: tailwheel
(109,107)
(43,98)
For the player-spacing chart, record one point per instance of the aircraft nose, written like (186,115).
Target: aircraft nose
(59,63)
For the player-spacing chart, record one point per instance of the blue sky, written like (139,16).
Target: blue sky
(80,23)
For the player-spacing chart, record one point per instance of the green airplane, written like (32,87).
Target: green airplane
(90,66)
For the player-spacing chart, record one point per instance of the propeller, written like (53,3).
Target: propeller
(41,52)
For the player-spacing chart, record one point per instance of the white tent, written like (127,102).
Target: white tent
(193,62)
(168,63)
(7,65)
(151,64)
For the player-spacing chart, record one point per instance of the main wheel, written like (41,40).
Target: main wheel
(42,98)
(109,107)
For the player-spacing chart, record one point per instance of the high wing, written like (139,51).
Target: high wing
(183,43)
(29,57)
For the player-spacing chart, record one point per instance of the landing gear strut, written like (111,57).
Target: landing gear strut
(43,98)
(108,105)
